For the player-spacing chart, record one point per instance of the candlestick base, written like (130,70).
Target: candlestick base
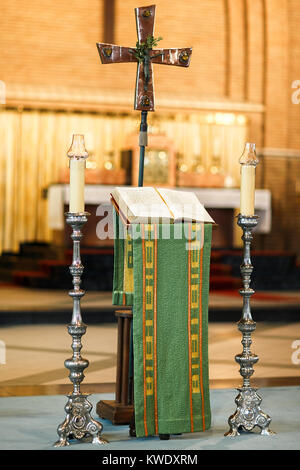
(78,423)
(248,414)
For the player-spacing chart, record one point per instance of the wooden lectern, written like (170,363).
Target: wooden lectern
(120,410)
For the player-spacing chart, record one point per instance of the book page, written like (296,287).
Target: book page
(140,204)
(185,205)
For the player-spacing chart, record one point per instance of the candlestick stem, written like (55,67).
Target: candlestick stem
(78,423)
(248,413)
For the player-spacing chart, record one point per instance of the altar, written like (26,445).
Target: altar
(221,203)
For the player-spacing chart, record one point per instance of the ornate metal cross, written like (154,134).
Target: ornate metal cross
(145,56)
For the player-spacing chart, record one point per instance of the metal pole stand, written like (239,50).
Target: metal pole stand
(248,413)
(78,423)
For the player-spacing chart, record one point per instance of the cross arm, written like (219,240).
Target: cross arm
(173,56)
(112,54)
(145,17)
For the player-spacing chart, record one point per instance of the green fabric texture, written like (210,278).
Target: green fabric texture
(120,296)
(175,414)
(170,326)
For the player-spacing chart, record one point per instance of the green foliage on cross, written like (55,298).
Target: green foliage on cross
(142,49)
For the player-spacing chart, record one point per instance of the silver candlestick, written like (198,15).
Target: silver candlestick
(78,423)
(248,413)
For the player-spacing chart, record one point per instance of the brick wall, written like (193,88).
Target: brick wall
(243,51)
(50,43)
(277,85)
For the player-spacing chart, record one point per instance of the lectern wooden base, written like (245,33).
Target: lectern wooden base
(120,410)
(115,412)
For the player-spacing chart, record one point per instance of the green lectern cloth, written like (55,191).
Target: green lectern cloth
(169,278)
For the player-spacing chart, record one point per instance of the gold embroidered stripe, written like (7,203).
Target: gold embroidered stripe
(149,320)
(195,259)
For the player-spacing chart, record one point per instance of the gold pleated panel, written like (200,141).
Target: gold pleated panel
(34,143)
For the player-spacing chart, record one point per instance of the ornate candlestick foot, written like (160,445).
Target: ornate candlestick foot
(248,413)
(78,423)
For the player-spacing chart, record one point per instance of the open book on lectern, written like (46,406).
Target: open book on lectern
(149,204)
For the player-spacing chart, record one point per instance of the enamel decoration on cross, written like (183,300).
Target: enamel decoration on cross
(145,56)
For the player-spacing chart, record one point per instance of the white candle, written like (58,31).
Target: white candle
(77,154)
(77,175)
(248,162)
(247,189)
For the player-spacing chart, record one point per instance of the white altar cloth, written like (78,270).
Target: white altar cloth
(211,198)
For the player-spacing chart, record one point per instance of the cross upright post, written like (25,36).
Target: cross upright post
(144,55)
